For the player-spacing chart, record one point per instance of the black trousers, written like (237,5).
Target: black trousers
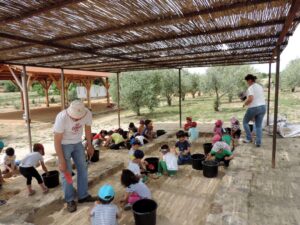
(117,146)
(29,172)
(226,162)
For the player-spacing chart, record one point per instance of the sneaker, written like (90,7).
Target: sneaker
(71,206)
(127,207)
(246,141)
(88,198)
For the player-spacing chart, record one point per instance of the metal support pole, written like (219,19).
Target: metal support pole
(62,90)
(179,80)
(276,105)
(107,90)
(118,95)
(26,105)
(269,92)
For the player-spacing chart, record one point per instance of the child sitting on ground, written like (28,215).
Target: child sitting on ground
(135,146)
(193,132)
(235,128)
(142,127)
(221,152)
(188,124)
(226,137)
(104,211)
(136,165)
(218,127)
(168,165)
(28,164)
(131,130)
(149,130)
(115,140)
(99,138)
(135,189)
(184,148)
(9,161)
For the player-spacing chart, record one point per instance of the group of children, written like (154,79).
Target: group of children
(26,166)
(123,139)
(224,141)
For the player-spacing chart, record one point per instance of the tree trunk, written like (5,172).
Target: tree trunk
(193,94)
(138,112)
(169,100)
(230,97)
(293,90)
(199,93)
(217,101)
(183,97)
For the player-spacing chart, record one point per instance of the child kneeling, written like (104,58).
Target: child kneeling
(135,189)
(105,212)
(221,152)
(168,165)
(27,168)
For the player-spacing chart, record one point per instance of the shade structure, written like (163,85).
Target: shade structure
(118,36)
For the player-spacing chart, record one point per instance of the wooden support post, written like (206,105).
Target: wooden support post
(62,92)
(22,100)
(269,92)
(118,98)
(107,90)
(179,81)
(88,93)
(27,110)
(276,106)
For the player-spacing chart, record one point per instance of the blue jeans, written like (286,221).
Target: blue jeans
(184,159)
(256,113)
(76,152)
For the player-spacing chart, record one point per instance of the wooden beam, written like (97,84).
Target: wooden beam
(223,62)
(204,57)
(290,19)
(269,45)
(18,82)
(37,11)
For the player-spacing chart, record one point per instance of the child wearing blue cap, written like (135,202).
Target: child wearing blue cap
(104,212)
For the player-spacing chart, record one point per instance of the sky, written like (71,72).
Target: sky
(292,51)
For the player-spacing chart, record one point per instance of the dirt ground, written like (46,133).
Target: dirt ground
(250,192)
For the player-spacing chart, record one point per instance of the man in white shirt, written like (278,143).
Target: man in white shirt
(256,109)
(68,130)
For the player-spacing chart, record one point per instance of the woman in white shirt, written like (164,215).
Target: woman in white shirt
(256,109)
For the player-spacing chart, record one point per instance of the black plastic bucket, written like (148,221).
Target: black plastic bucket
(210,168)
(152,166)
(95,157)
(197,161)
(144,212)
(51,178)
(160,132)
(207,148)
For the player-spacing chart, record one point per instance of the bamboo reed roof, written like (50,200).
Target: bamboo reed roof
(126,35)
